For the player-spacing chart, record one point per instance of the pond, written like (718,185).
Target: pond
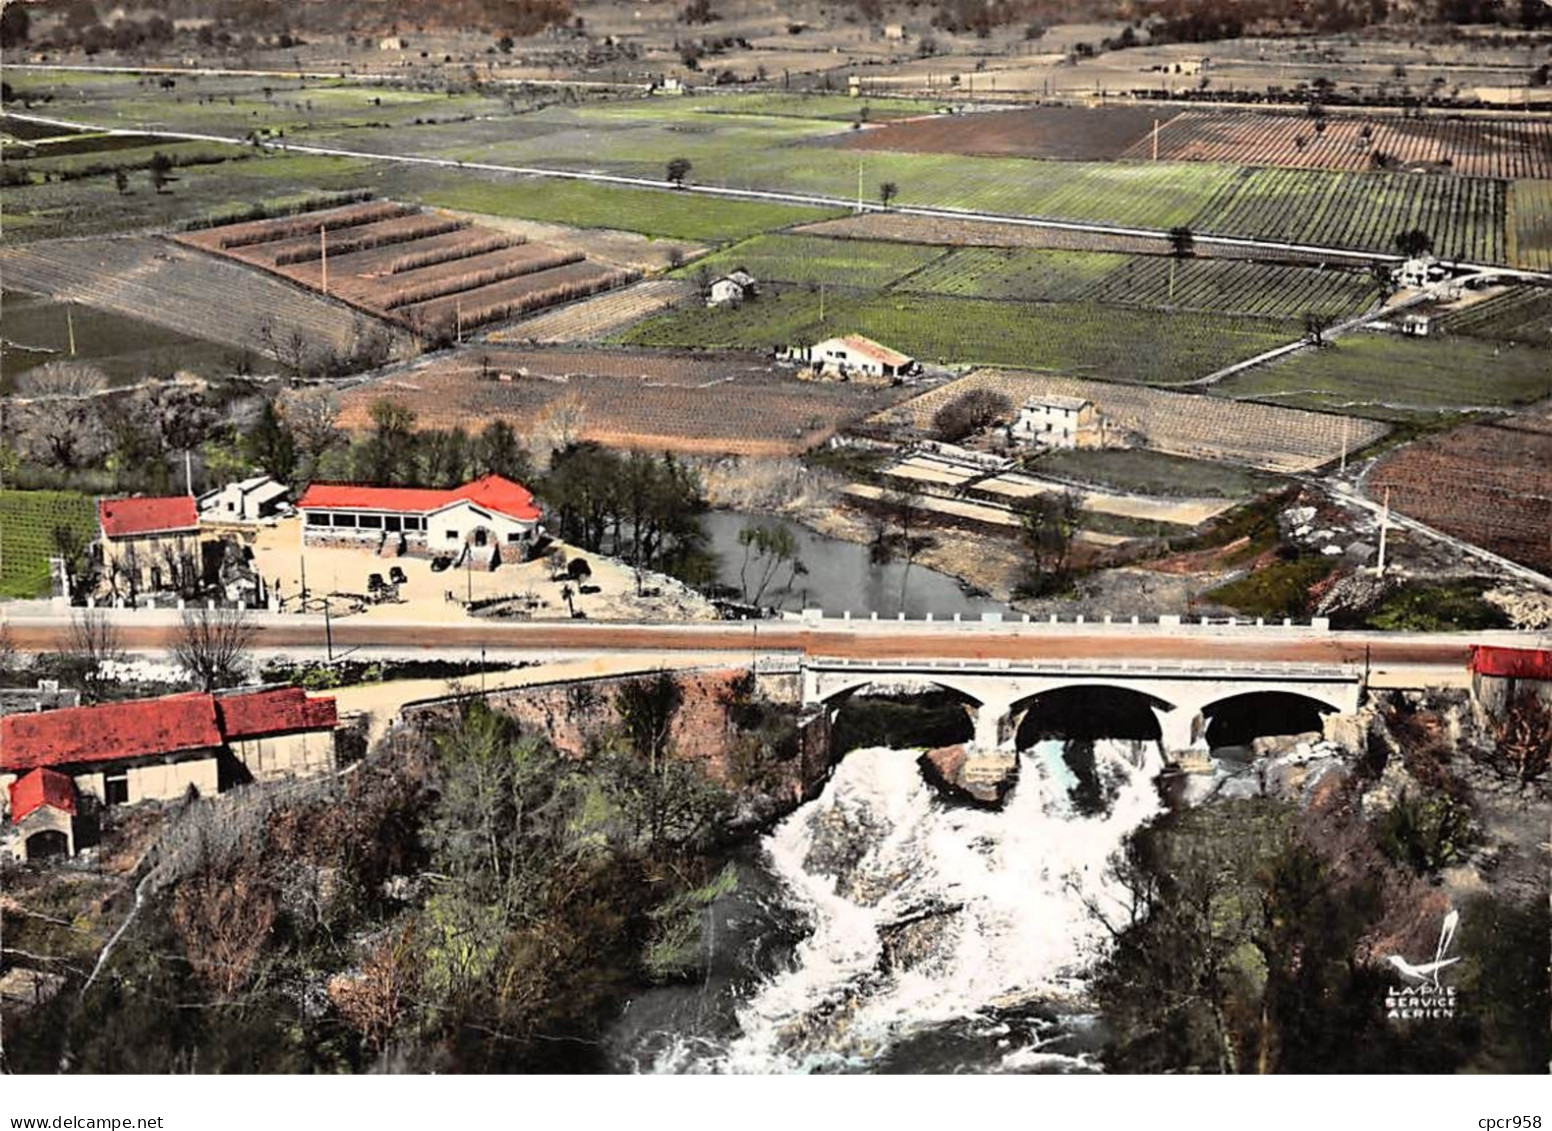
(839,578)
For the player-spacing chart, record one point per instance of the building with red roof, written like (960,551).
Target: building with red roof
(483,518)
(1499,676)
(43,810)
(854,355)
(147,540)
(156,749)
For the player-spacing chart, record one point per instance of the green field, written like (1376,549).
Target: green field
(1078,339)
(1530,224)
(1389,377)
(1463,215)
(1520,314)
(37,330)
(860,264)
(1028,275)
(27,523)
(1145,472)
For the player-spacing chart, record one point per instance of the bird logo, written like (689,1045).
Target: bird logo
(1425,975)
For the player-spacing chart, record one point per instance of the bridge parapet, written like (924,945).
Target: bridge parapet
(818,618)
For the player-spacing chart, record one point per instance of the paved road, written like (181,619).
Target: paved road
(884,641)
(808,199)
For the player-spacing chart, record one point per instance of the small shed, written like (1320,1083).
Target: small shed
(731,289)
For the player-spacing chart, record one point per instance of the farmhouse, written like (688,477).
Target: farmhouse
(856,355)
(731,289)
(147,541)
(1053,421)
(248,500)
(1415,274)
(151,750)
(475,520)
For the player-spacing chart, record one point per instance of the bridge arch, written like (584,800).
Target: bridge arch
(904,711)
(1235,720)
(1086,710)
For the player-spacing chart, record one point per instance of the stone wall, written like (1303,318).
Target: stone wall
(582,715)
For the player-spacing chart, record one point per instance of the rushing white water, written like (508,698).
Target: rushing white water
(981,909)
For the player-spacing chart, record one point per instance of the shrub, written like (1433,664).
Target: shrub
(1426,833)
(970,412)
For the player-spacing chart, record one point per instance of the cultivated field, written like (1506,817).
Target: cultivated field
(1517,314)
(700,402)
(1366,211)
(1471,147)
(1530,224)
(1489,483)
(185,290)
(433,274)
(1226,286)
(28,520)
(1196,427)
(1054,132)
(594,319)
(1146,346)
(862,264)
(1391,377)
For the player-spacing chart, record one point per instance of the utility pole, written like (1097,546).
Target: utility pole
(1155,139)
(1345,422)
(188,471)
(70,326)
(1384,530)
(323,255)
(328,632)
(821,302)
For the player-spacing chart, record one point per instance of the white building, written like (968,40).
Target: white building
(1415,274)
(248,500)
(479,518)
(1057,422)
(731,289)
(854,355)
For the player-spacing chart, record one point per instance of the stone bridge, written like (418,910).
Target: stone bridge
(1182,696)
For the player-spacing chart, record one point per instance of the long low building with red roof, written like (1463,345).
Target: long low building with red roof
(490,518)
(153,749)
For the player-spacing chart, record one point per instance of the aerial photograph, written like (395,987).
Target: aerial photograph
(771,539)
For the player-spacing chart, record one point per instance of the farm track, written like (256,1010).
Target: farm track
(1249,241)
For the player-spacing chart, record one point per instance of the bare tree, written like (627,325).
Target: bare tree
(215,646)
(312,416)
(7,650)
(94,642)
(65,407)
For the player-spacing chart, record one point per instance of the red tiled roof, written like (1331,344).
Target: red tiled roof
(121,518)
(490,491)
(867,347)
(112,732)
(109,732)
(258,713)
(1511,663)
(33,790)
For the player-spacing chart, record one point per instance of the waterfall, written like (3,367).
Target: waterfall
(925,915)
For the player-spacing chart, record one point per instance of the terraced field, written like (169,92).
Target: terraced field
(1180,424)
(434,274)
(1465,217)
(1489,483)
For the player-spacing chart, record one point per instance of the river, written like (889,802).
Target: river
(879,928)
(840,576)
